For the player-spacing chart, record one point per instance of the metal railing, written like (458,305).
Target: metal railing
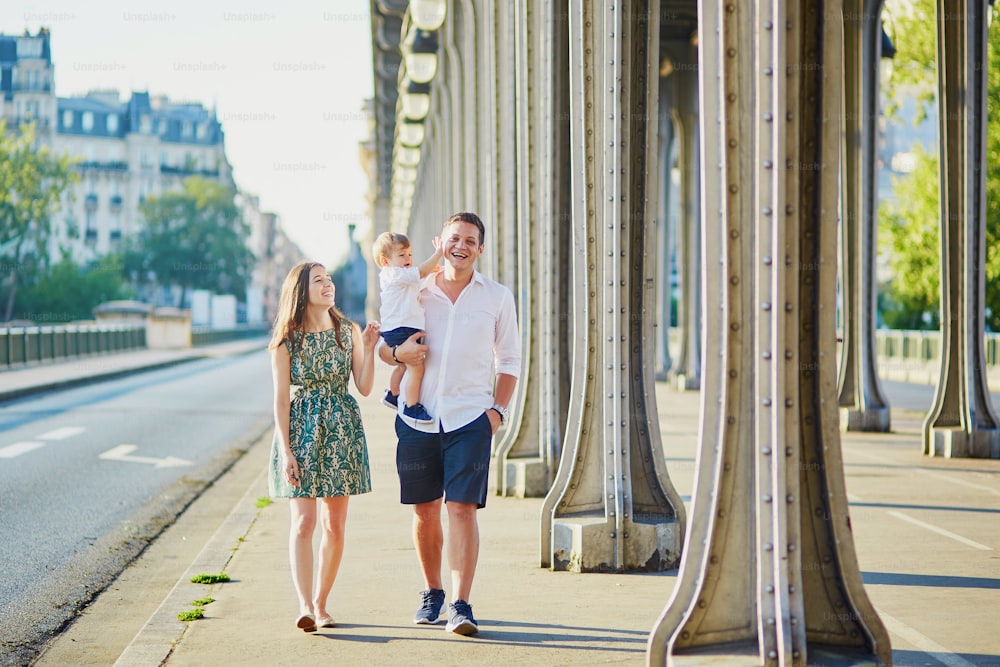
(24,346)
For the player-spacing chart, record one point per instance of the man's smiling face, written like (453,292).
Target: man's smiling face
(461,245)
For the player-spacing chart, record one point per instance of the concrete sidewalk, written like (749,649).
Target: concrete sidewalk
(930,570)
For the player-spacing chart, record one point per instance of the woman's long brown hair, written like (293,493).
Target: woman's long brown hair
(288,323)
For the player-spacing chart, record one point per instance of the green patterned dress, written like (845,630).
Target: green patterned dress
(325,430)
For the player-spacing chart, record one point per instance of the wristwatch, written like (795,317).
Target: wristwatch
(500,410)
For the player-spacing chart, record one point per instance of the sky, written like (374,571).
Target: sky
(288,80)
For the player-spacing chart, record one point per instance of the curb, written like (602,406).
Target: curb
(155,642)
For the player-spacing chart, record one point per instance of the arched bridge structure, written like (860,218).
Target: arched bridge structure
(559,122)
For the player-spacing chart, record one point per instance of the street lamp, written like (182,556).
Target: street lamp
(411,132)
(888,52)
(408,157)
(405,174)
(428,14)
(420,53)
(414,98)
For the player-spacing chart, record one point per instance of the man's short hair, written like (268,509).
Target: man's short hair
(386,242)
(471,218)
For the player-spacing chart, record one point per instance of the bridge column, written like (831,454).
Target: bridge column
(961,423)
(664,231)
(863,405)
(527,455)
(612,507)
(686,370)
(769,575)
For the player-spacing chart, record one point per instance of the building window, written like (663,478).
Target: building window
(202,131)
(88,121)
(67,118)
(145,124)
(186,130)
(112,123)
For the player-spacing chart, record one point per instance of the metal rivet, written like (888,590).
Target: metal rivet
(766,210)
(767,354)
(767,260)
(766,451)
(767,546)
(768,71)
(767,497)
(768,164)
(766,305)
(768,117)
(769,588)
(766,402)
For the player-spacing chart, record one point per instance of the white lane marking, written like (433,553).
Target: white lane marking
(121,453)
(933,473)
(940,531)
(961,482)
(18,448)
(923,642)
(62,433)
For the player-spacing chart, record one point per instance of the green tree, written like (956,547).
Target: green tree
(68,291)
(32,182)
(194,239)
(909,228)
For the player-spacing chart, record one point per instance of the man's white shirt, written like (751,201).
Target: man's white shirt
(470,342)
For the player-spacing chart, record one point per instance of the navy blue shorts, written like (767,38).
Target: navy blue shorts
(455,465)
(398,336)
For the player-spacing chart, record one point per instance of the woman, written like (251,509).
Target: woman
(319,457)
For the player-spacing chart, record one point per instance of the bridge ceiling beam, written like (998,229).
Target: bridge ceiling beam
(769,575)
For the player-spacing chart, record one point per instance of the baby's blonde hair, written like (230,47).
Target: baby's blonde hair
(386,243)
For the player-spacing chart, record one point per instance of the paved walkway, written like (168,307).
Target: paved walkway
(927,532)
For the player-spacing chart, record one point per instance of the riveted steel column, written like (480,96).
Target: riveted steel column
(664,232)
(527,455)
(769,575)
(686,369)
(612,507)
(464,22)
(505,247)
(863,405)
(961,422)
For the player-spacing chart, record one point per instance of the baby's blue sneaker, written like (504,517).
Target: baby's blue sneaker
(390,400)
(418,414)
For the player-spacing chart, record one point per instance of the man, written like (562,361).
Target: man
(471,359)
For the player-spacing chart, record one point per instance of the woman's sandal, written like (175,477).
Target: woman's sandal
(306,623)
(326,622)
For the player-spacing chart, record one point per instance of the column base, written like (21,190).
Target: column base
(957,443)
(586,545)
(685,382)
(653,547)
(525,478)
(872,420)
(747,654)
